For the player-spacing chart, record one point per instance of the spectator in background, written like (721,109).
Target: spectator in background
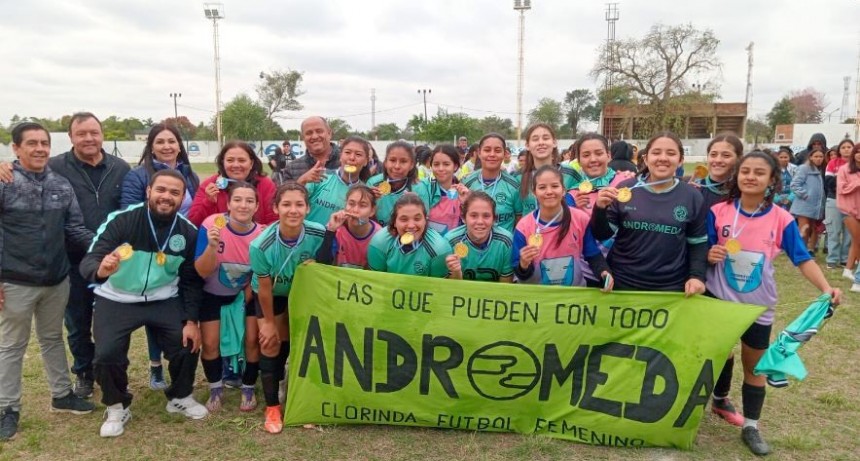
(622,156)
(463,146)
(848,201)
(838,240)
(818,141)
(287,150)
(808,205)
(320,153)
(786,170)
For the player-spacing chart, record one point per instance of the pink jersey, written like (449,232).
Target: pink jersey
(558,264)
(234,263)
(748,275)
(351,251)
(592,197)
(445,215)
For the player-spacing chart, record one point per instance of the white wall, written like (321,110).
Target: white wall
(834,132)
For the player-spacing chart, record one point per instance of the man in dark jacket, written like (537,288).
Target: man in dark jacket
(320,153)
(96,178)
(816,140)
(38,214)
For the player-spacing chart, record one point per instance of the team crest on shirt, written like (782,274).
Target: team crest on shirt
(420,268)
(304,256)
(501,198)
(680,213)
(177,243)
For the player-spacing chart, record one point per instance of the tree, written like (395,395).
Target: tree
(203,132)
(758,130)
(808,105)
(495,124)
(661,65)
(242,118)
(183,124)
(782,113)
(547,111)
(385,131)
(340,129)
(580,105)
(293,135)
(279,90)
(5,135)
(445,127)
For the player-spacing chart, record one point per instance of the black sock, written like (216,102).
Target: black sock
(724,382)
(283,355)
(753,397)
(249,376)
(268,376)
(212,369)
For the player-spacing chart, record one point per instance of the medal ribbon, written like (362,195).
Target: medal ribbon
(161,247)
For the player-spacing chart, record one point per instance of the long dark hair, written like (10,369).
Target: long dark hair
(450,151)
(852,165)
(662,134)
(256,167)
(590,137)
(287,187)
(565,216)
(412,176)
(147,157)
(408,198)
(731,138)
(823,162)
(364,174)
(529,167)
(775,176)
(473,197)
(481,144)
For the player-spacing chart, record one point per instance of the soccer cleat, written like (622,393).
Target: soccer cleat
(115,421)
(724,409)
(83,387)
(274,421)
(754,441)
(188,407)
(156,379)
(8,424)
(71,403)
(249,400)
(216,398)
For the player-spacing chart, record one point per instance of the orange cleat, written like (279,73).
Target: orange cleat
(274,421)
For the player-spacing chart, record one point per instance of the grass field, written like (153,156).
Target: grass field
(816,419)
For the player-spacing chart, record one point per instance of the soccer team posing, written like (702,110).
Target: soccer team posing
(223,256)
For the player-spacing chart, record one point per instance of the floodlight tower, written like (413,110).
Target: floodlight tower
(522,6)
(611,18)
(215,11)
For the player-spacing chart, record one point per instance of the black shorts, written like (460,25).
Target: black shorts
(757,336)
(279,305)
(210,306)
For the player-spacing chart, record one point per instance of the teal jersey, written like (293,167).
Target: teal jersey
(425,258)
(505,191)
(570,179)
(327,197)
(487,262)
(385,204)
(272,256)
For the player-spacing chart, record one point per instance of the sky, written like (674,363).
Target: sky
(124,58)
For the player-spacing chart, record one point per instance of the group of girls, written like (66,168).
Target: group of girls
(716,233)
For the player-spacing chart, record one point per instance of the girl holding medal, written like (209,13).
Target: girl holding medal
(550,241)
(236,162)
(224,263)
(329,195)
(746,234)
(592,153)
(724,151)
(482,250)
(275,254)
(399,175)
(408,245)
(500,185)
(441,195)
(541,150)
(658,222)
(348,231)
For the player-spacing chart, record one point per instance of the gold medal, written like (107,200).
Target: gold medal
(125,251)
(461,250)
(220,221)
(733,246)
(586,187)
(350,169)
(536,240)
(701,172)
(384,187)
(624,194)
(160,258)
(407,238)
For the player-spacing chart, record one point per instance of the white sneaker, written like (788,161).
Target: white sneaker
(855,288)
(188,407)
(848,274)
(115,419)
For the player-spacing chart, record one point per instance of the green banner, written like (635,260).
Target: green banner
(621,369)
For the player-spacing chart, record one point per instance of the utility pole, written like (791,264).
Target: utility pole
(612,16)
(424,92)
(175,109)
(522,6)
(749,95)
(843,112)
(372,109)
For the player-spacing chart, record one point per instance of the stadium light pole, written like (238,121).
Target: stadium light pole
(215,11)
(522,6)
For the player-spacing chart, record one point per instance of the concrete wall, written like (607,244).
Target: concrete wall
(834,132)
